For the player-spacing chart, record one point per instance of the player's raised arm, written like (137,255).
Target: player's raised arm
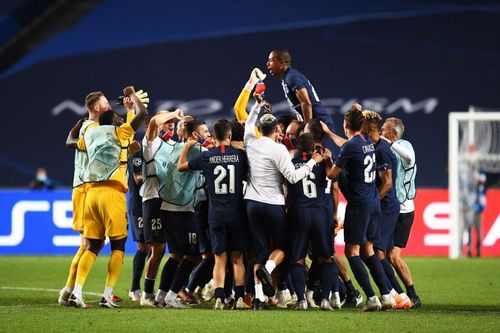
(240,106)
(338,140)
(251,121)
(72,139)
(285,166)
(132,101)
(183,163)
(305,103)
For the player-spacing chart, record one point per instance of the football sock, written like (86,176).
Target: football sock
(137,269)
(168,273)
(228,284)
(335,277)
(361,275)
(219,294)
(77,291)
(297,275)
(326,279)
(343,289)
(283,275)
(199,276)
(410,290)
(378,274)
(249,281)
(149,285)
(182,275)
(70,282)
(313,276)
(115,265)
(389,272)
(289,284)
(84,266)
(239,291)
(349,286)
(108,292)
(259,292)
(208,273)
(270,266)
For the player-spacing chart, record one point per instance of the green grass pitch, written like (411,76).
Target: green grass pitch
(458,296)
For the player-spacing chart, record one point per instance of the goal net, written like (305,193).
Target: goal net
(473,148)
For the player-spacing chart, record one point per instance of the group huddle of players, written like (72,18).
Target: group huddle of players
(248,210)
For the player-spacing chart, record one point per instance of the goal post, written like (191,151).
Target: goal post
(473,145)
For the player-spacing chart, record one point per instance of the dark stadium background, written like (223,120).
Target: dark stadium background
(417,60)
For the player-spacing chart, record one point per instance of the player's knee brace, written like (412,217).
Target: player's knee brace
(118,245)
(95,245)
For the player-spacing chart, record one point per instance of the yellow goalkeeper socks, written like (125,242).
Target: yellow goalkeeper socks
(114,269)
(70,282)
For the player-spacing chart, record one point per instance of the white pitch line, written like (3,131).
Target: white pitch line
(46,289)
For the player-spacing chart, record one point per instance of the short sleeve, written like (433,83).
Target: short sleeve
(296,81)
(384,160)
(81,144)
(125,132)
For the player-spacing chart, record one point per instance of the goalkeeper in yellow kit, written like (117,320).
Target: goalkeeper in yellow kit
(105,208)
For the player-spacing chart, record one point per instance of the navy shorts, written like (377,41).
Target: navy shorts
(201,218)
(388,218)
(137,227)
(154,227)
(227,236)
(361,222)
(312,225)
(181,234)
(267,224)
(403,228)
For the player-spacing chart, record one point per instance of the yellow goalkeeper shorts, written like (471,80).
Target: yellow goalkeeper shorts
(105,213)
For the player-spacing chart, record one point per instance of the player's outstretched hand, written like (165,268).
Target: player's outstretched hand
(317,157)
(386,139)
(143,96)
(260,75)
(324,127)
(133,148)
(258,97)
(356,107)
(128,104)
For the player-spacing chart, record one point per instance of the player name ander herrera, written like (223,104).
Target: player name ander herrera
(224,159)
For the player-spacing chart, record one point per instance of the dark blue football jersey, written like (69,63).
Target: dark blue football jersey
(293,80)
(357,159)
(134,200)
(386,159)
(310,191)
(224,169)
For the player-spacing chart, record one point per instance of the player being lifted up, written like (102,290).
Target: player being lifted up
(299,92)
(224,168)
